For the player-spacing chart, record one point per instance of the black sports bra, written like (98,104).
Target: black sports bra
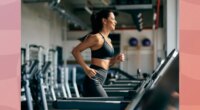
(105,52)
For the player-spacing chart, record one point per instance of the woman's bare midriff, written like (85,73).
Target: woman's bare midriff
(104,63)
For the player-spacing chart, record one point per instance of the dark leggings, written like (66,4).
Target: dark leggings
(93,86)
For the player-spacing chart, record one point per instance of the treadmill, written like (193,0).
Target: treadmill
(33,78)
(159,88)
(105,103)
(27,75)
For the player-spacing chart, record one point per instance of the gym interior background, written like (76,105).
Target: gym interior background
(44,24)
(146,31)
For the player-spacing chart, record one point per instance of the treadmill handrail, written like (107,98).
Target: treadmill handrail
(152,80)
(33,69)
(45,67)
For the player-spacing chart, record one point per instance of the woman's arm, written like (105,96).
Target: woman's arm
(112,61)
(76,52)
(116,59)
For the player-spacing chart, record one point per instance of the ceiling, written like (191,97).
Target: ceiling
(130,14)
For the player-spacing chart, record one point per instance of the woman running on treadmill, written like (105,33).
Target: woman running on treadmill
(102,52)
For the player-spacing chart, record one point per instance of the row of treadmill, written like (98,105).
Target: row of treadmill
(39,88)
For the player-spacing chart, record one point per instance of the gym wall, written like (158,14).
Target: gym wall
(141,57)
(41,26)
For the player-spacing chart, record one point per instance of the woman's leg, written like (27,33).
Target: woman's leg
(93,88)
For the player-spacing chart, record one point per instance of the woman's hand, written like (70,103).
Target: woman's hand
(120,57)
(90,72)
